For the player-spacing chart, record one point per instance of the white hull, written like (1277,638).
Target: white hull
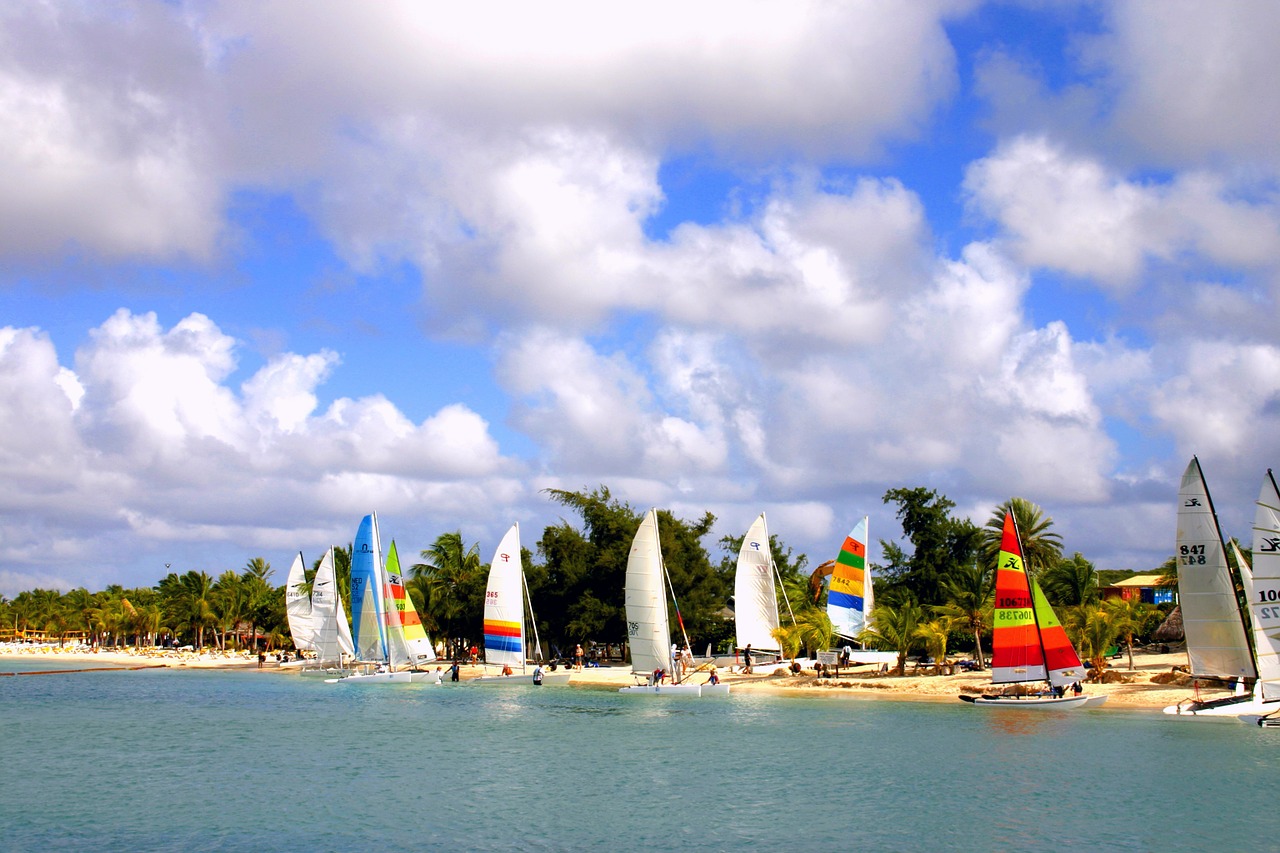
(549,679)
(1035,702)
(664,689)
(406,677)
(325,672)
(720,689)
(1234,706)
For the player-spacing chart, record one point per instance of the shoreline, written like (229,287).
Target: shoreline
(1138,693)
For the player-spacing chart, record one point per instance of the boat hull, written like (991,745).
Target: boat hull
(405,677)
(1234,706)
(1033,703)
(549,679)
(720,689)
(663,690)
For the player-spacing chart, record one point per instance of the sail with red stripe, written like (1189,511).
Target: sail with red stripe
(849,596)
(406,636)
(1016,653)
(504,604)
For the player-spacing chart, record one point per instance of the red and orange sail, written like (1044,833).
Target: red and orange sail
(1016,654)
(1028,642)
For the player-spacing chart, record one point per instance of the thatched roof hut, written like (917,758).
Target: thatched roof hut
(1170,630)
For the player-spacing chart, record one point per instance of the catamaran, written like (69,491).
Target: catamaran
(297,606)
(648,631)
(1217,644)
(331,635)
(851,597)
(504,623)
(755,596)
(388,636)
(1029,645)
(1262,591)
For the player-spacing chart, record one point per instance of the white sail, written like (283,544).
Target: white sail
(297,604)
(1262,589)
(504,605)
(1216,643)
(332,635)
(755,597)
(645,597)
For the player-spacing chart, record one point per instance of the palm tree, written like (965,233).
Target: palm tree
(1128,615)
(895,628)
(812,630)
(450,569)
(230,594)
(188,602)
(1041,547)
(969,601)
(1069,582)
(1092,628)
(934,635)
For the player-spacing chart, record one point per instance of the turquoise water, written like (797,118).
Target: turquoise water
(248,760)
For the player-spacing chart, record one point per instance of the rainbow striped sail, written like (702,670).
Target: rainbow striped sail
(1028,642)
(504,604)
(849,599)
(404,626)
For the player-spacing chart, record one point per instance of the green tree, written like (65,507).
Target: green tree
(188,601)
(453,580)
(1070,582)
(894,626)
(970,594)
(1128,617)
(934,634)
(940,544)
(1041,546)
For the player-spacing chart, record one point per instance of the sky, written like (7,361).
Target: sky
(268,267)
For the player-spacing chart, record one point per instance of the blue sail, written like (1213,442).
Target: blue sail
(366,593)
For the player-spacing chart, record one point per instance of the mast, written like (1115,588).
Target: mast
(1032,588)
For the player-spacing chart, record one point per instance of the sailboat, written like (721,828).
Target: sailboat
(388,636)
(1029,645)
(504,606)
(755,597)
(297,606)
(1262,591)
(850,597)
(1217,645)
(331,635)
(648,631)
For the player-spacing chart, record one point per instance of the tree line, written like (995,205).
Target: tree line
(932,597)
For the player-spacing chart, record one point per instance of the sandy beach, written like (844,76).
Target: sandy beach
(1134,690)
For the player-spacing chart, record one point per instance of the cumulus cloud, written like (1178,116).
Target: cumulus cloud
(147,437)
(1072,213)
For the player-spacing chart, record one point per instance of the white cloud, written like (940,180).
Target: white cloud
(1074,214)
(1194,82)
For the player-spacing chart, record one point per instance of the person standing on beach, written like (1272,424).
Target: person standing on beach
(453,671)
(577,657)
(746,660)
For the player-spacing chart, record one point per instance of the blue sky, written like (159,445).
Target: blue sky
(268,267)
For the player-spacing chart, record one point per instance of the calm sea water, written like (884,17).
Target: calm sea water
(217,760)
